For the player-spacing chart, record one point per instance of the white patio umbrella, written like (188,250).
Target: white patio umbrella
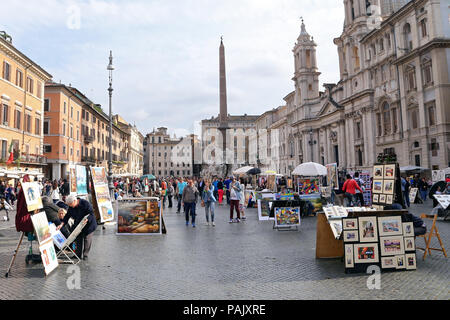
(310,169)
(243,170)
(412,168)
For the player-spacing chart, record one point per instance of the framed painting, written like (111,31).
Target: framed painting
(410,261)
(378,172)
(376,198)
(287,217)
(389,171)
(377,186)
(366,253)
(350,224)
(410,244)
(41,227)
(388,186)
(389,199)
(389,262)
(382,198)
(390,226)
(392,245)
(349,256)
(400,261)
(408,229)
(368,231)
(350,235)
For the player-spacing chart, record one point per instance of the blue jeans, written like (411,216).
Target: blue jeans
(209,207)
(189,209)
(423,194)
(406,197)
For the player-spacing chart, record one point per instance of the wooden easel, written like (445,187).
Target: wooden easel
(432,233)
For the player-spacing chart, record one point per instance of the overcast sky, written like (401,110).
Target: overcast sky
(166,52)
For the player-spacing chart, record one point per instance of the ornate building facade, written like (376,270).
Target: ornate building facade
(393,95)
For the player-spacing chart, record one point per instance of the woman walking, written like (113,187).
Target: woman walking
(209,201)
(220,190)
(55,192)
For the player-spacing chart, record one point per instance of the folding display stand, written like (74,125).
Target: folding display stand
(62,251)
(284,204)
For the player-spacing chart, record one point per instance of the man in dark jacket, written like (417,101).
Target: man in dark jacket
(78,209)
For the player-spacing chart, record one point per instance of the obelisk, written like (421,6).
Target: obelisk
(223,116)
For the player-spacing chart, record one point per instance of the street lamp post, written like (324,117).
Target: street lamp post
(110,68)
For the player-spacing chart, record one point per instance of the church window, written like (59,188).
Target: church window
(386,118)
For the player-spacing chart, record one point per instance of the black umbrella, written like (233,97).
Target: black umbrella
(433,189)
(254,171)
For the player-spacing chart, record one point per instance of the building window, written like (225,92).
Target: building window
(394,120)
(386,118)
(65,107)
(407,36)
(358,130)
(356,58)
(64,149)
(5,115)
(46,105)
(427,73)
(30,85)
(46,126)
(432,115)
(71,112)
(17,117)
(434,146)
(381,44)
(379,124)
(47,148)
(423,27)
(6,71)
(64,129)
(28,123)
(411,78)
(19,78)
(417,160)
(414,120)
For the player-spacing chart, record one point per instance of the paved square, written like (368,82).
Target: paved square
(248,260)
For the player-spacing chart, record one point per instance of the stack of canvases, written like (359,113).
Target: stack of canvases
(383,185)
(384,241)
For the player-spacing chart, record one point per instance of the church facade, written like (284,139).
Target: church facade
(393,96)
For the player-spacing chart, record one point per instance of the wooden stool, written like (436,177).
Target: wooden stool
(432,233)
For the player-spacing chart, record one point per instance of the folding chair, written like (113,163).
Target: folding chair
(432,233)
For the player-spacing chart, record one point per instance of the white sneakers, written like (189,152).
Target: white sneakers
(212,224)
(207,224)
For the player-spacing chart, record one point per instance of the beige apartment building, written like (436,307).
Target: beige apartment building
(21,108)
(135,147)
(165,156)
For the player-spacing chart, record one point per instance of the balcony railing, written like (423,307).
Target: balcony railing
(88,159)
(33,159)
(89,138)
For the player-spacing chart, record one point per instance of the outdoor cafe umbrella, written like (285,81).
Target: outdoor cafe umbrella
(148,176)
(254,171)
(310,169)
(412,168)
(243,170)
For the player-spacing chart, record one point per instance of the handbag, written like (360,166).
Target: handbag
(203,203)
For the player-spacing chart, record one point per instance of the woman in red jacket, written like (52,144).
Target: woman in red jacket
(349,190)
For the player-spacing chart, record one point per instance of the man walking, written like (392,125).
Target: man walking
(235,197)
(189,199)
(227,188)
(349,189)
(405,190)
(359,195)
(180,188)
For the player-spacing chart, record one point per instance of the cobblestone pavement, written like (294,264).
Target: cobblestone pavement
(248,260)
